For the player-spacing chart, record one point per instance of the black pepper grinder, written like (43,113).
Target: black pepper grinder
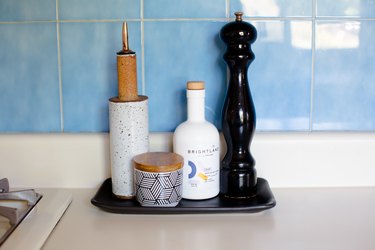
(238,177)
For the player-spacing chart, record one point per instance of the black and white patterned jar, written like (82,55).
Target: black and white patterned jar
(158,179)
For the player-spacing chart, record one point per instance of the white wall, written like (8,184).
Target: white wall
(284,159)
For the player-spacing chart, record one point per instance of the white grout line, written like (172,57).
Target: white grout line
(313,48)
(23,22)
(163,20)
(100,20)
(183,19)
(59,68)
(213,19)
(347,19)
(227,8)
(143,79)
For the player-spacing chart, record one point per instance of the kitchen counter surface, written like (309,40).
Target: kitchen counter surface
(309,218)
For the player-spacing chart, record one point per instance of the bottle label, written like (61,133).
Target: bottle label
(201,170)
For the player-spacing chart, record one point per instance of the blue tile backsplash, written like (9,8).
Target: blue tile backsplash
(184,9)
(272,8)
(280,75)
(170,65)
(344,93)
(346,8)
(314,68)
(89,72)
(26,10)
(98,9)
(29,89)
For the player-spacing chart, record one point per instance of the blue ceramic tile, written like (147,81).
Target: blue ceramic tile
(184,8)
(280,76)
(29,86)
(89,71)
(346,8)
(272,8)
(344,95)
(176,52)
(26,10)
(98,9)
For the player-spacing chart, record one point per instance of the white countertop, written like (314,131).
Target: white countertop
(304,218)
(294,164)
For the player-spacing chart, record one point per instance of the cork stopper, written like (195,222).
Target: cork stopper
(127,70)
(158,162)
(195,85)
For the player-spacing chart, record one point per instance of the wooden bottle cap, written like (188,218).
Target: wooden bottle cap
(158,162)
(195,85)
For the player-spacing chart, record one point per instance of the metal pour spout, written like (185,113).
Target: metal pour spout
(125,41)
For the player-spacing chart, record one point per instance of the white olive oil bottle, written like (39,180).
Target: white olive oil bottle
(198,142)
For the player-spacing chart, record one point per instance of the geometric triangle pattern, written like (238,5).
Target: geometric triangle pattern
(158,189)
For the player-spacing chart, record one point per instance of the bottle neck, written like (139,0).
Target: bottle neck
(195,106)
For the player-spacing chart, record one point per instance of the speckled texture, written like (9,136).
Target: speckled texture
(128,124)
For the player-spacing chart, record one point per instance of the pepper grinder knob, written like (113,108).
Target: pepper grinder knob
(238,15)
(238,176)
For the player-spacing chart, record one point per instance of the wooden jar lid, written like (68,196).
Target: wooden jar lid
(158,162)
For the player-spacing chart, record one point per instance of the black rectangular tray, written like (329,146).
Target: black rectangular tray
(264,199)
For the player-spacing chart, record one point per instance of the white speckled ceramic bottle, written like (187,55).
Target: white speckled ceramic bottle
(199,144)
(128,123)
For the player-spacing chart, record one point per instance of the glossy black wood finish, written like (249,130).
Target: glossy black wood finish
(238,176)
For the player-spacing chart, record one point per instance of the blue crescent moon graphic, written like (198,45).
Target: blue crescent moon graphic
(193,169)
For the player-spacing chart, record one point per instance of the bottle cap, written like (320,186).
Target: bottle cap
(195,85)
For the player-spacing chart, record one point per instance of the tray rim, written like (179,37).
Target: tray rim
(137,209)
